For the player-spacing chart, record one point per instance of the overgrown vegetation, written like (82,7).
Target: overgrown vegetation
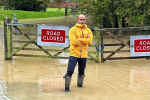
(115,13)
(27,5)
(110,13)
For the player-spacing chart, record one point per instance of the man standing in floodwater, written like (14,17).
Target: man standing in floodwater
(80,37)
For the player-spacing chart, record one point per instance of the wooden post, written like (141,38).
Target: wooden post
(65,11)
(9,31)
(97,44)
(15,21)
(7,39)
(101,33)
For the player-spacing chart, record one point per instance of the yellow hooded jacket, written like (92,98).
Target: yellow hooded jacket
(79,41)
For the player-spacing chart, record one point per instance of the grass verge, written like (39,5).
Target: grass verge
(50,12)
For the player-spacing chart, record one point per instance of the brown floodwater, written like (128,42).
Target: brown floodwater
(29,78)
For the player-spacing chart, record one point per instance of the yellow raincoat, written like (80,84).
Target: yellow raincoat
(79,41)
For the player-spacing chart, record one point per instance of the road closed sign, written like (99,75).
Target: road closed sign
(140,45)
(53,35)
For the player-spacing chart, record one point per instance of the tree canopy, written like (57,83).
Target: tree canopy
(27,5)
(110,12)
(115,13)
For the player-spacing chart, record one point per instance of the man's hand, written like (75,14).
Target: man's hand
(88,36)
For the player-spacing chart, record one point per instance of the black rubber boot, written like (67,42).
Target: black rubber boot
(67,82)
(80,80)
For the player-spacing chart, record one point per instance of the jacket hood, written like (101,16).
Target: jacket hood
(81,25)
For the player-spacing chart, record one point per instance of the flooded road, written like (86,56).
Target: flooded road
(25,78)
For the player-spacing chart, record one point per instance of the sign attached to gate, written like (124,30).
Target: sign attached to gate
(53,35)
(140,45)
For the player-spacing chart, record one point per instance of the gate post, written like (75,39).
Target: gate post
(97,44)
(101,34)
(7,39)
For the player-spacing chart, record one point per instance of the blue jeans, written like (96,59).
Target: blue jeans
(72,64)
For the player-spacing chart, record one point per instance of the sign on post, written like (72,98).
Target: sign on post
(53,35)
(140,45)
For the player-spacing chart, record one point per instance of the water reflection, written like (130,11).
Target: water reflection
(140,78)
(50,84)
(3,85)
(63,61)
(1,37)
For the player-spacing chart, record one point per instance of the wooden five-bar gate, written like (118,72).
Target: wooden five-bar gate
(93,50)
(11,50)
(122,44)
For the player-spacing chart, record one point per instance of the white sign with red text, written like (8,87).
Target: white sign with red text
(140,45)
(53,35)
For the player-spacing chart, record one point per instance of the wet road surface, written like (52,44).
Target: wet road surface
(24,78)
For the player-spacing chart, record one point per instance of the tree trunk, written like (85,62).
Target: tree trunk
(124,22)
(116,25)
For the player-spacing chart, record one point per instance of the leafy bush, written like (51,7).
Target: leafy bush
(27,5)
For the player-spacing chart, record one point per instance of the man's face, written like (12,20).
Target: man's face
(81,19)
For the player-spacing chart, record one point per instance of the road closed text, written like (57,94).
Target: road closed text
(51,35)
(142,45)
